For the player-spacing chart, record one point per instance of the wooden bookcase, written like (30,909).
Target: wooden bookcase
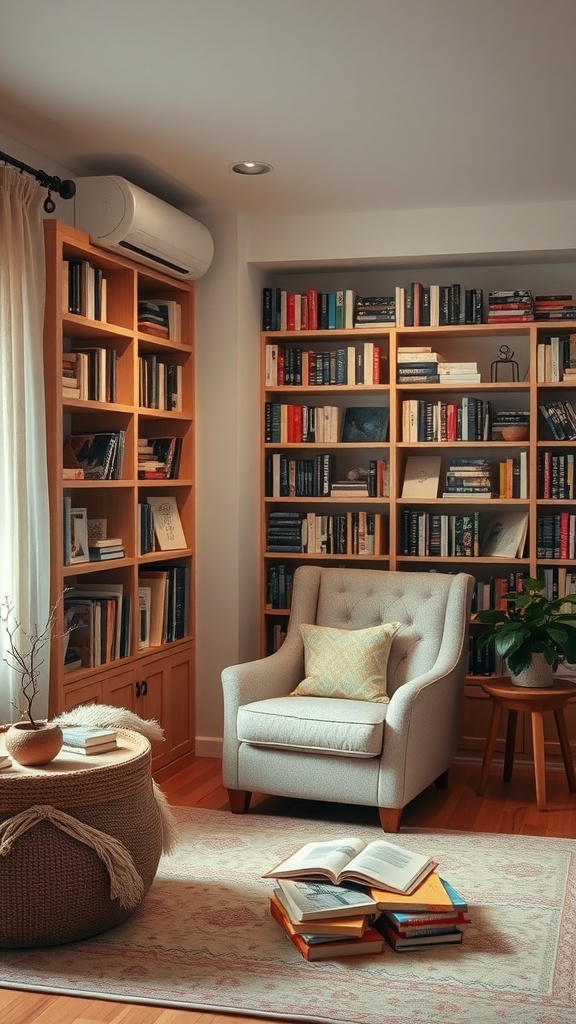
(480,343)
(153,681)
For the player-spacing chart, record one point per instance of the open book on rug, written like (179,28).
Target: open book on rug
(378,863)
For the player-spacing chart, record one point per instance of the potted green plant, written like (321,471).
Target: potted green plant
(532,634)
(30,741)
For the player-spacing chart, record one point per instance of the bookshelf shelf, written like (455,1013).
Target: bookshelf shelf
(114,653)
(475,342)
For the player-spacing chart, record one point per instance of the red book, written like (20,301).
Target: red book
(376,365)
(290,311)
(564,535)
(451,420)
(304,312)
(312,295)
(417,303)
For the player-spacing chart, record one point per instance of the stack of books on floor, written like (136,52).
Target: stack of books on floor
(88,740)
(343,897)
(415,928)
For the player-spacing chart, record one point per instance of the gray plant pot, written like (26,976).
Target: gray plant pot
(538,674)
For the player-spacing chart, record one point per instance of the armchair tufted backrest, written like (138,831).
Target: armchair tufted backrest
(432,608)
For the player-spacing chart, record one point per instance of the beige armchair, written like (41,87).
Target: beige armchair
(348,750)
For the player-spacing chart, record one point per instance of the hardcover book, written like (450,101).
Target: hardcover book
(422,476)
(504,535)
(365,424)
(167,523)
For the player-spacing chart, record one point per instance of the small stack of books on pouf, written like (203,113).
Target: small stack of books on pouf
(345,897)
(88,740)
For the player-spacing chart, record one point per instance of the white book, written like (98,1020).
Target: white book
(351,364)
(167,523)
(504,534)
(379,863)
(421,476)
(400,304)
(368,362)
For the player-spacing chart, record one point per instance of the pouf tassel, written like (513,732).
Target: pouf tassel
(126,886)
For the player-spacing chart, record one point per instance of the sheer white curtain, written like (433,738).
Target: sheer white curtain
(24,530)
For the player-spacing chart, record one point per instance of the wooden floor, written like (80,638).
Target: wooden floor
(508,808)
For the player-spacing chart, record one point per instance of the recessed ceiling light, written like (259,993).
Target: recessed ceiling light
(251,167)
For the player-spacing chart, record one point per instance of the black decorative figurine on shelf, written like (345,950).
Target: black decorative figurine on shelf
(505,358)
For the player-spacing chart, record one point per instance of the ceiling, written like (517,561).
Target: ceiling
(359,105)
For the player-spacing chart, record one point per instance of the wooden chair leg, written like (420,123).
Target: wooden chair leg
(442,781)
(239,800)
(390,818)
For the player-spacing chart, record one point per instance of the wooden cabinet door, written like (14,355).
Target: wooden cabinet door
(180,702)
(151,703)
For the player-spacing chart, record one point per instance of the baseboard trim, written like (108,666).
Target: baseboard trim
(209,746)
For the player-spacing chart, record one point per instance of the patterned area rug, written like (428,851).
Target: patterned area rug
(204,939)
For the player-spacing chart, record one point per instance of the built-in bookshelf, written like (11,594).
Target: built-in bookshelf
(119,371)
(497,435)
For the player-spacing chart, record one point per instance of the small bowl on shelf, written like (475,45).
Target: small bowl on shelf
(515,433)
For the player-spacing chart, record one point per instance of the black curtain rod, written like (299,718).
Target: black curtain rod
(65,189)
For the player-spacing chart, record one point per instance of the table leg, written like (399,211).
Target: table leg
(539,759)
(510,745)
(565,747)
(489,749)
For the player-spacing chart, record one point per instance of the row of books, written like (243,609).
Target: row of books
(279,582)
(499,534)
(556,358)
(159,458)
(333,899)
(94,456)
(489,593)
(97,622)
(556,536)
(159,384)
(408,306)
(89,374)
(470,419)
(84,289)
(160,317)
(561,419)
(556,475)
(351,533)
(163,597)
(558,581)
(316,477)
(414,305)
(292,423)
(482,661)
(290,366)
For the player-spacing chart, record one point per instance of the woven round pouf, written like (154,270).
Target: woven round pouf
(79,844)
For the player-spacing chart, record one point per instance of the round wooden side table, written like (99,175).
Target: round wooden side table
(534,701)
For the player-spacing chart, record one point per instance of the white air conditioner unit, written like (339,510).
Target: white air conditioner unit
(125,219)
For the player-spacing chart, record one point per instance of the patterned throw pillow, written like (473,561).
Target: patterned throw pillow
(346,663)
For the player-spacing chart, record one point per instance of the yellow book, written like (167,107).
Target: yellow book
(429,896)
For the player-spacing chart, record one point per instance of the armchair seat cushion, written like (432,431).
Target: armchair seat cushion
(323,725)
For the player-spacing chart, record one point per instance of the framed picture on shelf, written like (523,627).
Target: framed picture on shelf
(78,536)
